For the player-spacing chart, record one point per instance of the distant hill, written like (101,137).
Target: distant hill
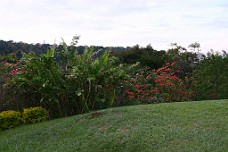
(8,47)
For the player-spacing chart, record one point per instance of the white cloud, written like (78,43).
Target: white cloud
(118,22)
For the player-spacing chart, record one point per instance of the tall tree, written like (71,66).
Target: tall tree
(195,46)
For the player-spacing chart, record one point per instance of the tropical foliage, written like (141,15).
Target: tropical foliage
(65,81)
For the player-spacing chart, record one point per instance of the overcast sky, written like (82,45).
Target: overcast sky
(117,22)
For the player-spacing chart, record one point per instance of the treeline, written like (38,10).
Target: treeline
(147,56)
(8,47)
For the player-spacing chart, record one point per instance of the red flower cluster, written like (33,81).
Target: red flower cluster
(162,84)
(18,71)
(10,69)
(130,94)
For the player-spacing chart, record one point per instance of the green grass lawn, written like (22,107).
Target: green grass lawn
(188,126)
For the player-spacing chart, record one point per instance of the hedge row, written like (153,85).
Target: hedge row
(10,119)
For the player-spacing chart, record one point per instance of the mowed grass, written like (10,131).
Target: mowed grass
(188,126)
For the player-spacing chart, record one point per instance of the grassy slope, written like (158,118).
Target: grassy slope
(189,126)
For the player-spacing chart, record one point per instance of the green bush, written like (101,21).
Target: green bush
(34,115)
(9,119)
(66,82)
(210,78)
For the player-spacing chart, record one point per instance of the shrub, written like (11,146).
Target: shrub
(5,67)
(9,119)
(162,85)
(38,80)
(210,78)
(34,115)
(66,82)
(94,81)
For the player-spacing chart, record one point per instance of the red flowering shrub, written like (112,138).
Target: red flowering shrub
(8,68)
(170,86)
(162,85)
(141,86)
